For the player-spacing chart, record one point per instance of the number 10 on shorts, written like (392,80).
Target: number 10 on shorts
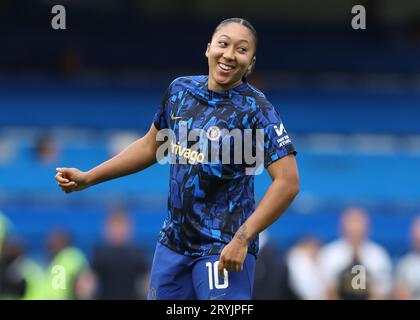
(214,274)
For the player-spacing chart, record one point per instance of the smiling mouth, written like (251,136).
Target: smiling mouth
(225,67)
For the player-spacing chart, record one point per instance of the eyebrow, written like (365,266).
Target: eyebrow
(225,35)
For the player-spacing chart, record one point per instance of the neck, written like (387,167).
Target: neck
(214,86)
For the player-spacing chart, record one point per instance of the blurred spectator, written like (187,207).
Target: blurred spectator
(119,265)
(20,278)
(46,150)
(66,264)
(355,249)
(12,281)
(85,285)
(271,280)
(5,227)
(407,276)
(306,278)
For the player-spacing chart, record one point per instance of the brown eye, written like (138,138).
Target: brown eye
(223,43)
(243,50)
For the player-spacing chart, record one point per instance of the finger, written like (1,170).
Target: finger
(59,178)
(63,171)
(64,188)
(221,267)
(238,267)
(228,266)
(70,184)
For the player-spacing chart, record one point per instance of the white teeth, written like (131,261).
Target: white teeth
(225,67)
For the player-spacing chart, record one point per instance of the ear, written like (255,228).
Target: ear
(207,50)
(251,66)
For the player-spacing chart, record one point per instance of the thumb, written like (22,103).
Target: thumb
(65,172)
(221,267)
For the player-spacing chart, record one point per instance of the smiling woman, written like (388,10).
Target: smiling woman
(209,242)
(231,53)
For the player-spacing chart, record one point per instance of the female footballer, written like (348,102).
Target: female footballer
(208,243)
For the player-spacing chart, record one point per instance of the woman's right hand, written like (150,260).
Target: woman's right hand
(71,179)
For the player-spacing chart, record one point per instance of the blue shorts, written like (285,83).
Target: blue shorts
(175,276)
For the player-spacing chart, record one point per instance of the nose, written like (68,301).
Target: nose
(229,54)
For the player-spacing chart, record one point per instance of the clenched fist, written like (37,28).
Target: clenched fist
(233,256)
(71,179)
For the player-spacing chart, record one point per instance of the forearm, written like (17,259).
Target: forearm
(276,200)
(136,157)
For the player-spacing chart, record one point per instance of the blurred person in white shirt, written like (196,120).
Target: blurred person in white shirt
(354,266)
(407,275)
(305,275)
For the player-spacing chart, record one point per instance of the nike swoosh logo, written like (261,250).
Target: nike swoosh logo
(217,297)
(175,118)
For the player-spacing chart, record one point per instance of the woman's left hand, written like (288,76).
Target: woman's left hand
(233,256)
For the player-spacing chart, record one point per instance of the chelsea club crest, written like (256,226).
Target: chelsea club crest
(213,133)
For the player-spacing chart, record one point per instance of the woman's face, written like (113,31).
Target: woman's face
(230,56)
